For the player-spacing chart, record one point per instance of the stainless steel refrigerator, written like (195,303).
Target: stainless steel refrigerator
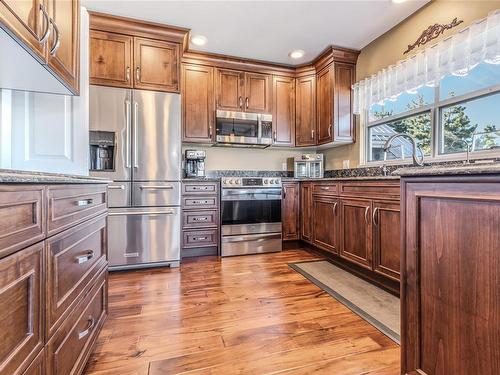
(144,198)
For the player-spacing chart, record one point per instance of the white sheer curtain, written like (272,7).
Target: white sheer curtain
(457,55)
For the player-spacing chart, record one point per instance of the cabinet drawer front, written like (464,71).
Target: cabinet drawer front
(73,259)
(325,188)
(200,219)
(69,348)
(21,308)
(371,189)
(70,205)
(22,219)
(200,238)
(201,202)
(193,188)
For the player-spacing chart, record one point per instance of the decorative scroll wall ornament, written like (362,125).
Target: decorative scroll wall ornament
(432,32)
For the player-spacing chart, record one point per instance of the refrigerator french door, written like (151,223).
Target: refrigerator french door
(144,217)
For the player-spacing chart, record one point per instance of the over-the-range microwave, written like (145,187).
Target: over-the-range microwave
(242,129)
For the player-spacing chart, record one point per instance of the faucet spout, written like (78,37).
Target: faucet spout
(416,160)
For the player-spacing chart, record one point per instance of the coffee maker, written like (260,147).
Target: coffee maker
(195,163)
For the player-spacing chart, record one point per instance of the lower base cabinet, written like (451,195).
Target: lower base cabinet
(386,224)
(290,211)
(325,217)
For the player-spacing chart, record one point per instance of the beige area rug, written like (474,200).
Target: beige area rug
(375,305)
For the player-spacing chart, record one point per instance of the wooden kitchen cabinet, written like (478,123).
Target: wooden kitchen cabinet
(356,231)
(306,226)
(198,106)
(258,93)
(325,214)
(290,211)
(230,90)
(283,111)
(63,56)
(305,104)
(343,124)
(386,224)
(324,105)
(451,267)
(156,65)
(110,59)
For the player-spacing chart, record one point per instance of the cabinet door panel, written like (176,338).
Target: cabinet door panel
(65,59)
(290,211)
(305,212)
(257,93)
(24,19)
(326,223)
(356,231)
(344,121)
(324,105)
(386,239)
(230,90)
(305,125)
(157,65)
(284,111)
(110,59)
(198,108)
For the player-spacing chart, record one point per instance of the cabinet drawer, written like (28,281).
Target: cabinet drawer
(325,188)
(22,219)
(69,348)
(73,258)
(69,205)
(200,238)
(371,189)
(193,188)
(199,202)
(21,309)
(200,219)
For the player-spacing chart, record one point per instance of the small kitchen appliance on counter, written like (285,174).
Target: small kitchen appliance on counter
(250,215)
(308,166)
(194,163)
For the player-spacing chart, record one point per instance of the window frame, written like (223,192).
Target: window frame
(435,110)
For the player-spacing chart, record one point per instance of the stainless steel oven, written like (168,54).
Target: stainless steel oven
(250,215)
(244,129)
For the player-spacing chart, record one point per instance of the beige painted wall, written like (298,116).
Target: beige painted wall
(389,48)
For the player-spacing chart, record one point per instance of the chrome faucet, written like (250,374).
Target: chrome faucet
(467,145)
(415,148)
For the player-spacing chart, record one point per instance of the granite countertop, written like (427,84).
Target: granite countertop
(351,178)
(8,176)
(455,170)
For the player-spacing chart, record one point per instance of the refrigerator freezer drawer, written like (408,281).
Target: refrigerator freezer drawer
(139,236)
(119,194)
(150,194)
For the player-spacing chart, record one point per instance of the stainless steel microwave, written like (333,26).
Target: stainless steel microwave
(244,129)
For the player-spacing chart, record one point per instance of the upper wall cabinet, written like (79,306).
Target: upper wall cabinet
(283,111)
(305,104)
(135,54)
(49,30)
(243,91)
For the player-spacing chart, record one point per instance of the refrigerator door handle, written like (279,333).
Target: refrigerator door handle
(126,213)
(136,120)
(128,115)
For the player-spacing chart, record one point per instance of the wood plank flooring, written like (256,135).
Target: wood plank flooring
(240,315)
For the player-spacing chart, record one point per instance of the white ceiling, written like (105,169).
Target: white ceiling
(269,30)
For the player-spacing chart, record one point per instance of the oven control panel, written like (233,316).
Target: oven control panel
(232,182)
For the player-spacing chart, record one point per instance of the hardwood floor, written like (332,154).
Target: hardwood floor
(241,315)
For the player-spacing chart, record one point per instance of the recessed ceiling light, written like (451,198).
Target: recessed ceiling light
(398,1)
(297,54)
(199,40)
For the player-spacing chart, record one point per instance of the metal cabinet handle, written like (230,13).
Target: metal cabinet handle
(116,187)
(91,323)
(200,202)
(200,187)
(312,134)
(200,238)
(335,208)
(204,218)
(136,120)
(156,187)
(46,32)
(57,43)
(210,131)
(367,210)
(84,202)
(85,258)
(374,217)
(127,74)
(240,102)
(325,188)
(330,130)
(128,120)
(138,73)
(247,102)
(146,213)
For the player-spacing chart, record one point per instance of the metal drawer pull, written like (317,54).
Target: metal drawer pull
(85,258)
(91,324)
(200,187)
(200,218)
(156,187)
(200,238)
(374,218)
(325,188)
(201,202)
(367,210)
(46,32)
(57,43)
(116,187)
(335,208)
(84,202)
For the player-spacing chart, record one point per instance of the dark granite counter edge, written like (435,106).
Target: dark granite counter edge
(463,170)
(26,177)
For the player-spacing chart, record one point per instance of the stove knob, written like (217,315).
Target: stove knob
(265,182)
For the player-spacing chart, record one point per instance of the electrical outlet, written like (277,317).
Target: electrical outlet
(345,164)
(283,167)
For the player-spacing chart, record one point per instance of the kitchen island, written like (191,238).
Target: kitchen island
(450,266)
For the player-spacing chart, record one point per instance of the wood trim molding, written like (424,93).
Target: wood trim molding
(130,26)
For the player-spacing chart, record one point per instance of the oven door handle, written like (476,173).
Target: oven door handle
(251,237)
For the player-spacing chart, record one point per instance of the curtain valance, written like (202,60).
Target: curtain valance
(457,55)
